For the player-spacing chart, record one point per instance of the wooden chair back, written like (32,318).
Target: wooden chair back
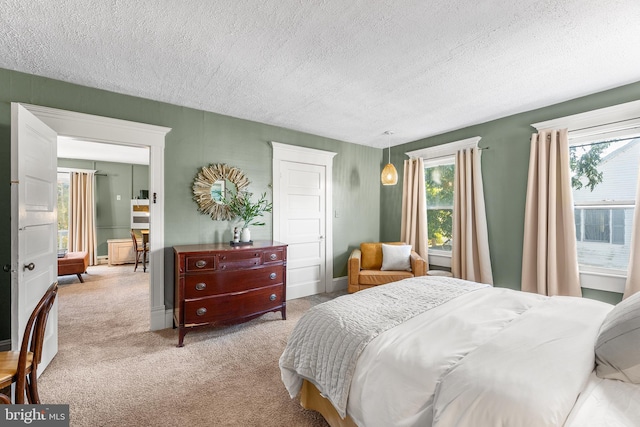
(135,241)
(32,343)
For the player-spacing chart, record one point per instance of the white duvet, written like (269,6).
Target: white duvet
(493,357)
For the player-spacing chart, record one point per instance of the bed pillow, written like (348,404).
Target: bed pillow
(396,257)
(617,355)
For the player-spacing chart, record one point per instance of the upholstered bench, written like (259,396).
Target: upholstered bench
(73,263)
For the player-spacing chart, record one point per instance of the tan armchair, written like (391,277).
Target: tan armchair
(365,263)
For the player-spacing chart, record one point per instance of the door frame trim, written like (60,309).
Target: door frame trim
(311,156)
(123,132)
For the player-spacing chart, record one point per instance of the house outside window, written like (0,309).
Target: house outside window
(439,172)
(604,213)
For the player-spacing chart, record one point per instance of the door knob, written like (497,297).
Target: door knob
(29,266)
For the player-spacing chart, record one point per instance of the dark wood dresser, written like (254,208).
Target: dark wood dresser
(219,284)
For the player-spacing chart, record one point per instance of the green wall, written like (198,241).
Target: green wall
(504,170)
(112,180)
(198,138)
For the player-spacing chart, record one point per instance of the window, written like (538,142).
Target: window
(604,158)
(63,210)
(439,172)
(602,225)
(439,188)
(604,180)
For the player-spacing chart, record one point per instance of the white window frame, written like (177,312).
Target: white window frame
(618,121)
(439,155)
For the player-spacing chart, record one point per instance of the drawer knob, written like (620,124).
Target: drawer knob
(200,286)
(273,256)
(272,276)
(223,266)
(201,263)
(272,297)
(201,311)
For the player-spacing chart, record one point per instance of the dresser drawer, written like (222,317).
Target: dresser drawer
(200,262)
(273,255)
(220,282)
(241,259)
(225,307)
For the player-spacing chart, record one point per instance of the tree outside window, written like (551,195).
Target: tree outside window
(439,189)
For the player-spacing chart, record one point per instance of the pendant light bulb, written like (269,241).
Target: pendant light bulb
(389,175)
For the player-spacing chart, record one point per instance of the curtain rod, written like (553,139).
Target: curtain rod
(69,170)
(589,144)
(452,155)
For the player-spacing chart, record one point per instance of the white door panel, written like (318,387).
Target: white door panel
(305,251)
(302,223)
(302,179)
(33,224)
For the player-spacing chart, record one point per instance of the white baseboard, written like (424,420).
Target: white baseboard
(339,284)
(158,318)
(168,318)
(5,345)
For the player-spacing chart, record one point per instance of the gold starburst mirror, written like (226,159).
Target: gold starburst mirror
(213,184)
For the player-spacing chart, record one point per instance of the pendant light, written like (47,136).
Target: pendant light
(389,175)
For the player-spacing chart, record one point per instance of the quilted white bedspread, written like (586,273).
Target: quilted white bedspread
(327,341)
(491,357)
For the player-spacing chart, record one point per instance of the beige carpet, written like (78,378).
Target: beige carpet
(113,371)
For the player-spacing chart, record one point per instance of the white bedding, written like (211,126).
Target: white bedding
(606,403)
(493,357)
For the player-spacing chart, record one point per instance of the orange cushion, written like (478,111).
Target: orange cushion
(377,277)
(372,255)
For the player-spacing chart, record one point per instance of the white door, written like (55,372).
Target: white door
(302,227)
(33,224)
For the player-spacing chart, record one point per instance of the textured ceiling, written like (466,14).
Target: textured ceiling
(348,70)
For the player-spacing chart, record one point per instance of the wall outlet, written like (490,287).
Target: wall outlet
(118,197)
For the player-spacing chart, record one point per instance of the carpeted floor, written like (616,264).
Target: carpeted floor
(113,371)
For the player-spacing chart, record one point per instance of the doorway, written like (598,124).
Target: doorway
(117,132)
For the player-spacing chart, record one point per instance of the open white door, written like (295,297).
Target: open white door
(34,264)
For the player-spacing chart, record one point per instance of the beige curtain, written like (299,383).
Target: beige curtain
(414,207)
(82,229)
(633,272)
(470,258)
(550,258)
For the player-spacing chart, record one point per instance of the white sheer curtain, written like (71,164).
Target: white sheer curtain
(82,229)
(414,207)
(549,256)
(470,258)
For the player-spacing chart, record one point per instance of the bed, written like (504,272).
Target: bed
(446,352)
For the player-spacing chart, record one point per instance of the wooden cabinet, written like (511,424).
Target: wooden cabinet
(120,251)
(219,284)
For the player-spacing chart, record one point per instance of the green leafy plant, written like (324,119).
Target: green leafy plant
(584,165)
(241,206)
